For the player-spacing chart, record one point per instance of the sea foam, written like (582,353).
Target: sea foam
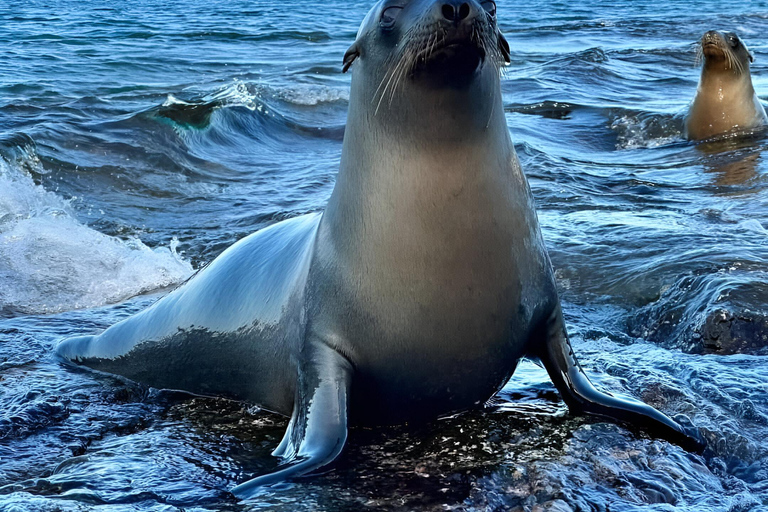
(50,262)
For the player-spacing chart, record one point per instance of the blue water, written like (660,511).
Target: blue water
(140,139)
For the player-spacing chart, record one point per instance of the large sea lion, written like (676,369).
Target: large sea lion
(417,291)
(725,100)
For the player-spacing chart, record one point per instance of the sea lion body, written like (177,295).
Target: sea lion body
(725,99)
(414,294)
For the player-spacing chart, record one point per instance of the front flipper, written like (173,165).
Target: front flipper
(318,428)
(582,397)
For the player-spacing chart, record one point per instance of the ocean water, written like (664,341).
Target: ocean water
(139,139)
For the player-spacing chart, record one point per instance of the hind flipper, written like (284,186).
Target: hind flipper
(318,428)
(582,398)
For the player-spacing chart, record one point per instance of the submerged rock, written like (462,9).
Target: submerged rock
(728,332)
(708,313)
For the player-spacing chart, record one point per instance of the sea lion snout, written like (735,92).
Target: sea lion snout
(713,44)
(711,37)
(454,38)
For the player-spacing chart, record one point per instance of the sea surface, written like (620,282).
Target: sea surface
(139,139)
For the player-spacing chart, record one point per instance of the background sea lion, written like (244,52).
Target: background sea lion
(414,294)
(725,99)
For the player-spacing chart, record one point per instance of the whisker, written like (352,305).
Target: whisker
(383,79)
(403,72)
(699,55)
(434,44)
(399,70)
(732,62)
(739,65)
(391,75)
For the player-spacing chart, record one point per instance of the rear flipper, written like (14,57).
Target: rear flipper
(318,428)
(582,397)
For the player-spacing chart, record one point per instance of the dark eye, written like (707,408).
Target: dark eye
(388,17)
(734,41)
(490,8)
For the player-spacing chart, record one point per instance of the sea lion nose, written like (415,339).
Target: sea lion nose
(456,10)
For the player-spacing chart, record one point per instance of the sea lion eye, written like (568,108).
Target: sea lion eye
(490,8)
(388,17)
(734,41)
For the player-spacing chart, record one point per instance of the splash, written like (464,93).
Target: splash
(642,130)
(312,95)
(50,262)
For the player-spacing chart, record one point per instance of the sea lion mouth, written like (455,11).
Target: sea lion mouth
(439,55)
(455,57)
(713,49)
(712,45)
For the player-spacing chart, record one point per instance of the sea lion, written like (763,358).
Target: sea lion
(725,100)
(417,291)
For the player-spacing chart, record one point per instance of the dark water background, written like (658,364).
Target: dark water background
(139,139)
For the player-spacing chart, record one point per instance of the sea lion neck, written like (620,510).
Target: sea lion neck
(719,82)
(719,69)
(422,161)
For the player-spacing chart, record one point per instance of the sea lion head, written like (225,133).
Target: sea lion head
(724,52)
(434,44)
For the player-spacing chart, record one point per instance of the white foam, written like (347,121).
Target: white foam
(172,100)
(50,262)
(237,94)
(311,95)
(634,132)
(241,94)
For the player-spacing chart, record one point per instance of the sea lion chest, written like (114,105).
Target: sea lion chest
(435,297)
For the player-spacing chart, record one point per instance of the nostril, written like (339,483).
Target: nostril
(453,11)
(463,11)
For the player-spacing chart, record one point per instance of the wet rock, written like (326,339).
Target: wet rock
(709,313)
(726,332)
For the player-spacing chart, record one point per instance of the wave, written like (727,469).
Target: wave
(312,95)
(548,109)
(50,262)
(636,130)
(275,106)
(702,312)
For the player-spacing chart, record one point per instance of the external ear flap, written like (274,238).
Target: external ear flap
(751,57)
(350,57)
(504,47)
